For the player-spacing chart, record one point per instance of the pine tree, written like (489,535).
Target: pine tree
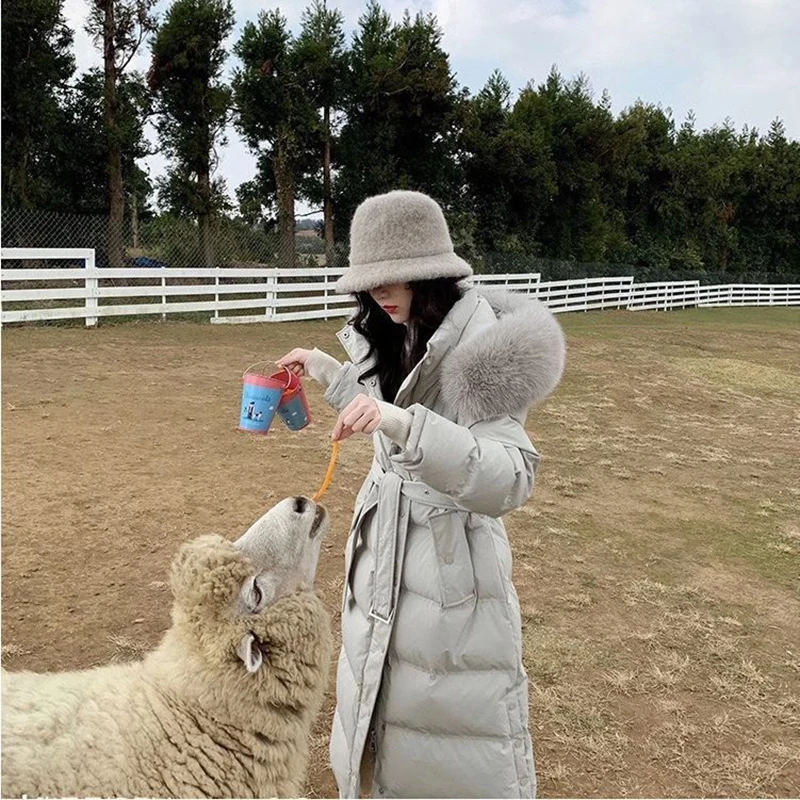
(36,65)
(322,61)
(402,113)
(119,28)
(193,106)
(275,114)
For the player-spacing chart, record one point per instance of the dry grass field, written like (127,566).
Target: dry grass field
(658,563)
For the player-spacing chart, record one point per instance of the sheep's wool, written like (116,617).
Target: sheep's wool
(189,720)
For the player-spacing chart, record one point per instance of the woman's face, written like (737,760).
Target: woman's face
(395,300)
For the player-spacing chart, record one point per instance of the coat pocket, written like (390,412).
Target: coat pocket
(360,518)
(454,565)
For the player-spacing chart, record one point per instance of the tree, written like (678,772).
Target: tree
(193,105)
(639,187)
(367,140)
(767,210)
(36,66)
(79,162)
(508,171)
(275,113)
(699,208)
(119,28)
(251,196)
(322,60)
(425,108)
(564,126)
(402,113)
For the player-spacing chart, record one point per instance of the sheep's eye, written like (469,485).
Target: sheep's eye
(258,595)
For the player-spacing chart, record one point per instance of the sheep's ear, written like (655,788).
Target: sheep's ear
(250,653)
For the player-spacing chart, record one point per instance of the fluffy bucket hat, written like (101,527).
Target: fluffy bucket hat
(399,237)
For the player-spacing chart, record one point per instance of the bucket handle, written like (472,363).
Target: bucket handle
(292,377)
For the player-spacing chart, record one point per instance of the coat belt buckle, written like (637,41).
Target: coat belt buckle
(386,620)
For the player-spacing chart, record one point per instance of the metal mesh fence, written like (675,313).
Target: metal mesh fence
(175,242)
(566,269)
(161,241)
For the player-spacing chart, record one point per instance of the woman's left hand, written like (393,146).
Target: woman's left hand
(359,416)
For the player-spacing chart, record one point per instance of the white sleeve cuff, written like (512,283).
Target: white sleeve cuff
(322,367)
(395,422)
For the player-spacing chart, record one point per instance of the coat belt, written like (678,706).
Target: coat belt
(393,496)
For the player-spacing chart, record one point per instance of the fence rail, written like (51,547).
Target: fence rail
(275,294)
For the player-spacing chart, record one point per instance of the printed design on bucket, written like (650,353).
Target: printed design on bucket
(263,395)
(293,408)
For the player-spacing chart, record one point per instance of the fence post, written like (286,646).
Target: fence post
(325,290)
(163,296)
(271,294)
(216,294)
(91,292)
(630,302)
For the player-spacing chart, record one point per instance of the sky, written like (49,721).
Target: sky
(721,59)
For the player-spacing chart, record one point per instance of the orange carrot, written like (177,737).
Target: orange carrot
(329,474)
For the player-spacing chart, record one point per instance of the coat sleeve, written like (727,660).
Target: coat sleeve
(488,468)
(341,381)
(345,387)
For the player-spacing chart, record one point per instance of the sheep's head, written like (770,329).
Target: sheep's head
(225,589)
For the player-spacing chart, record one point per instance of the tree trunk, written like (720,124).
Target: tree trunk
(284,181)
(204,217)
(19,180)
(327,203)
(116,249)
(135,222)
(204,234)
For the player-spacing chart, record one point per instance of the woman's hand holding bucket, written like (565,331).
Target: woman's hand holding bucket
(362,415)
(295,361)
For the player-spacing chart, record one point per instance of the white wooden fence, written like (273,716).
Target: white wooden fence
(88,292)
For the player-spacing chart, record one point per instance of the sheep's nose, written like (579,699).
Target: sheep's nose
(300,504)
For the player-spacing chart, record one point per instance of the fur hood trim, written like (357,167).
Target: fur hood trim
(514,363)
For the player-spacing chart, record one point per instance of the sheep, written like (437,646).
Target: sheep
(223,707)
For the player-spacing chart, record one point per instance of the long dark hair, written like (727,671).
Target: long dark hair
(395,358)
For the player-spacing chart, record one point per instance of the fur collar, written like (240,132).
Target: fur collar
(509,365)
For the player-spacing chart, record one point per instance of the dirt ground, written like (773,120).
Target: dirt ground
(658,563)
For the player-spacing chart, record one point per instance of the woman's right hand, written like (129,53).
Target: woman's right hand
(295,360)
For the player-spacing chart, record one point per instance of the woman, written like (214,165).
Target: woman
(430,682)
